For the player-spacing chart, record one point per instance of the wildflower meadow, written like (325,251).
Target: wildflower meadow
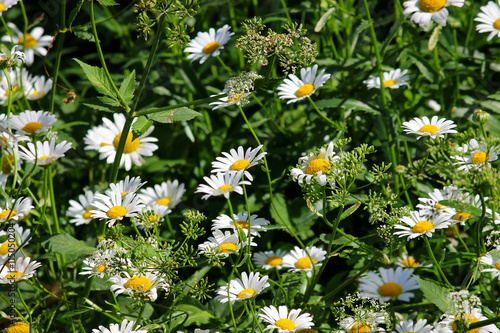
(195,166)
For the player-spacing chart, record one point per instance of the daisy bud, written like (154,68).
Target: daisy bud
(480,117)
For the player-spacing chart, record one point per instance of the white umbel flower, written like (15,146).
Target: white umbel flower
(394,284)
(32,122)
(208,44)
(426,10)
(23,269)
(113,207)
(242,222)
(125,327)
(490,20)
(392,79)
(45,153)
(298,259)
(223,184)
(249,286)
(269,259)
(285,321)
(34,41)
(139,284)
(314,166)
(425,127)
(475,155)
(294,89)
(418,224)
(80,211)
(237,160)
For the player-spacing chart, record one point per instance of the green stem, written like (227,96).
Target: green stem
(322,115)
(139,316)
(53,199)
(24,304)
(176,106)
(59,48)
(439,272)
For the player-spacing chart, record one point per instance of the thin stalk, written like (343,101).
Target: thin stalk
(53,199)
(176,106)
(24,304)
(440,272)
(322,115)
(139,316)
(59,48)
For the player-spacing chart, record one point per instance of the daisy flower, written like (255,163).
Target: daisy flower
(475,201)
(32,122)
(37,87)
(490,20)
(433,128)
(393,79)
(80,211)
(140,284)
(18,327)
(488,260)
(223,184)
(126,186)
(299,260)
(295,89)
(238,160)
(432,206)
(269,259)
(408,326)
(33,42)
(284,320)
(315,166)
(365,321)
(451,322)
(125,327)
(475,155)
(222,244)
(114,207)
(133,151)
(418,224)
(241,221)
(16,238)
(409,262)
(95,138)
(8,165)
(207,44)
(15,90)
(22,207)
(6,4)
(15,58)
(426,10)
(23,269)
(239,290)
(167,194)
(98,264)
(45,152)
(237,99)
(394,284)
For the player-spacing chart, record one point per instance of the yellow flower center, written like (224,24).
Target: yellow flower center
(2,7)
(6,213)
(390,289)
(303,263)
(130,146)
(306,330)
(44,158)
(469,319)
(14,89)
(388,83)
(88,215)
(36,92)
(497,265)
(410,262)
(226,188)
(18,327)
(7,163)
(242,224)
(240,165)
(235,99)
(30,41)
(316,165)
(285,324)
(116,211)
(227,247)
(431,6)
(154,218)
(428,129)
(211,47)
(32,127)
(14,275)
(164,201)
(274,261)
(101,268)
(305,90)
(360,327)
(422,226)
(245,292)
(438,206)
(461,216)
(4,249)
(480,157)
(496,25)
(138,283)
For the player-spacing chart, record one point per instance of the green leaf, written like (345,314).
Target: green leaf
(425,68)
(350,210)
(279,210)
(175,115)
(196,315)
(67,244)
(434,37)
(392,34)
(97,104)
(462,206)
(128,86)
(324,18)
(108,101)
(98,79)
(74,13)
(140,127)
(107,2)
(84,34)
(349,104)
(435,293)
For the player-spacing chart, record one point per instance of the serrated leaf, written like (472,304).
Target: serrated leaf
(84,34)
(434,37)
(67,244)
(108,101)
(96,104)
(107,2)
(350,210)
(128,86)
(74,12)
(324,18)
(98,78)
(435,293)
(462,206)
(175,115)
(140,127)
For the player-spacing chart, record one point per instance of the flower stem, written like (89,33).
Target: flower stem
(437,267)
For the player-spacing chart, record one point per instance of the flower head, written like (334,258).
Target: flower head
(475,155)
(125,327)
(242,222)
(493,265)
(303,260)
(394,284)
(451,323)
(314,166)
(45,153)
(426,10)
(15,58)
(33,42)
(113,207)
(393,79)
(16,210)
(142,285)
(418,224)
(207,44)
(223,184)
(425,127)
(284,320)
(248,287)
(6,4)
(295,89)
(32,122)
(80,211)
(23,269)
(237,160)
(269,259)
(408,326)
(489,19)
(167,194)
(222,244)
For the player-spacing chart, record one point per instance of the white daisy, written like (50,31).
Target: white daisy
(365,321)
(96,138)
(114,207)
(34,42)
(45,152)
(223,184)
(126,186)
(238,160)
(8,165)
(242,222)
(15,91)
(408,261)
(80,211)
(238,99)
(16,237)
(475,201)
(475,155)
(295,89)
(426,10)
(418,224)
(488,260)
(168,194)
(6,4)
(284,320)
(32,122)
(98,264)
(315,166)
(37,87)
(15,58)
(298,259)
(208,44)
(125,327)
(432,206)
(490,20)
(140,284)
(408,326)
(9,140)
(394,284)
(393,79)
(269,259)
(239,290)
(222,244)
(451,322)
(133,151)
(23,269)
(433,128)
(22,207)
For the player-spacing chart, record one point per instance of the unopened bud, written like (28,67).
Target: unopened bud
(480,116)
